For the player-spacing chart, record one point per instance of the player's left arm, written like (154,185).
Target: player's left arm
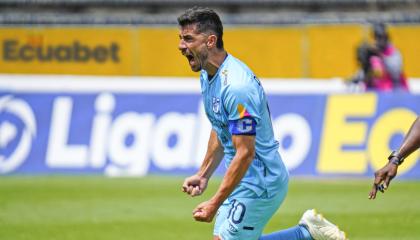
(245,153)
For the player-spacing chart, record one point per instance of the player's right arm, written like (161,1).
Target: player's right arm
(384,175)
(412,140)
(196,184)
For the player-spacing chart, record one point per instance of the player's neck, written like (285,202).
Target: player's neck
(214,61)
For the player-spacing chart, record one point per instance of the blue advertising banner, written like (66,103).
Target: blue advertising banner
(135,134)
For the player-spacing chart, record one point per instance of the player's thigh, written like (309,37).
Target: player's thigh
(246,217)
(221,217)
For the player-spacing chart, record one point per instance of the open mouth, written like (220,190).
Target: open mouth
(190,57)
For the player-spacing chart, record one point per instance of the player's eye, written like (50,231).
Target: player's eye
(188,38)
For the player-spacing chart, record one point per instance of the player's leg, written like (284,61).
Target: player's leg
(321,228)
(311,226)
(297,232)
(221,217)
(245,214)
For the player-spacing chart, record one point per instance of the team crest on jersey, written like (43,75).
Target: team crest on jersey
(216,105)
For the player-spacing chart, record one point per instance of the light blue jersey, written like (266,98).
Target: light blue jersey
(236,104)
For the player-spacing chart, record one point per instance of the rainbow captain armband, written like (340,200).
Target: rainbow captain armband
(243,126)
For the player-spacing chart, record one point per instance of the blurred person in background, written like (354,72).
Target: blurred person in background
(384,175)
(380,64)
(256,180)
(387,63)
(362,80)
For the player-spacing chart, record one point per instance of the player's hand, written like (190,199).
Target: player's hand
(194,185)
(205,211)
(383,178)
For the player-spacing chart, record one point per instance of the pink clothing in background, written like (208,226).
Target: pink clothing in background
(383,66)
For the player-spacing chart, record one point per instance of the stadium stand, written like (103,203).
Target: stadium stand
(24,12)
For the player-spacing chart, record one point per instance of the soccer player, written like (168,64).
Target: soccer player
(384,175)
(256,180)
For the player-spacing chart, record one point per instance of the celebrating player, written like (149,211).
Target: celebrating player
(384,175)
(256,180)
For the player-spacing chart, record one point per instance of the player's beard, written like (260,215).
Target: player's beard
(202,59)
(199,60)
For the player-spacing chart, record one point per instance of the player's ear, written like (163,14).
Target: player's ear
(211,41)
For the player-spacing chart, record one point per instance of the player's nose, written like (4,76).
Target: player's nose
(181,45)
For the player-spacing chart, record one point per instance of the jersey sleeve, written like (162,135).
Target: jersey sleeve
(241,103)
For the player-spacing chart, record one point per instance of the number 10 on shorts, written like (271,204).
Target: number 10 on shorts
(236,212)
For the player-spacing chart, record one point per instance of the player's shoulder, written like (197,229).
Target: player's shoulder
(235,74)
(237,66)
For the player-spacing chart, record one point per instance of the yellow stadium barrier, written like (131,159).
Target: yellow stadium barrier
(312,51)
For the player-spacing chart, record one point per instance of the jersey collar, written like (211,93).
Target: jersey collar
(219,69)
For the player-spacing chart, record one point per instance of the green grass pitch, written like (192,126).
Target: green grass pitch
(86,208)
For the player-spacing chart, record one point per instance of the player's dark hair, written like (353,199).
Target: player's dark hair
(206,19)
